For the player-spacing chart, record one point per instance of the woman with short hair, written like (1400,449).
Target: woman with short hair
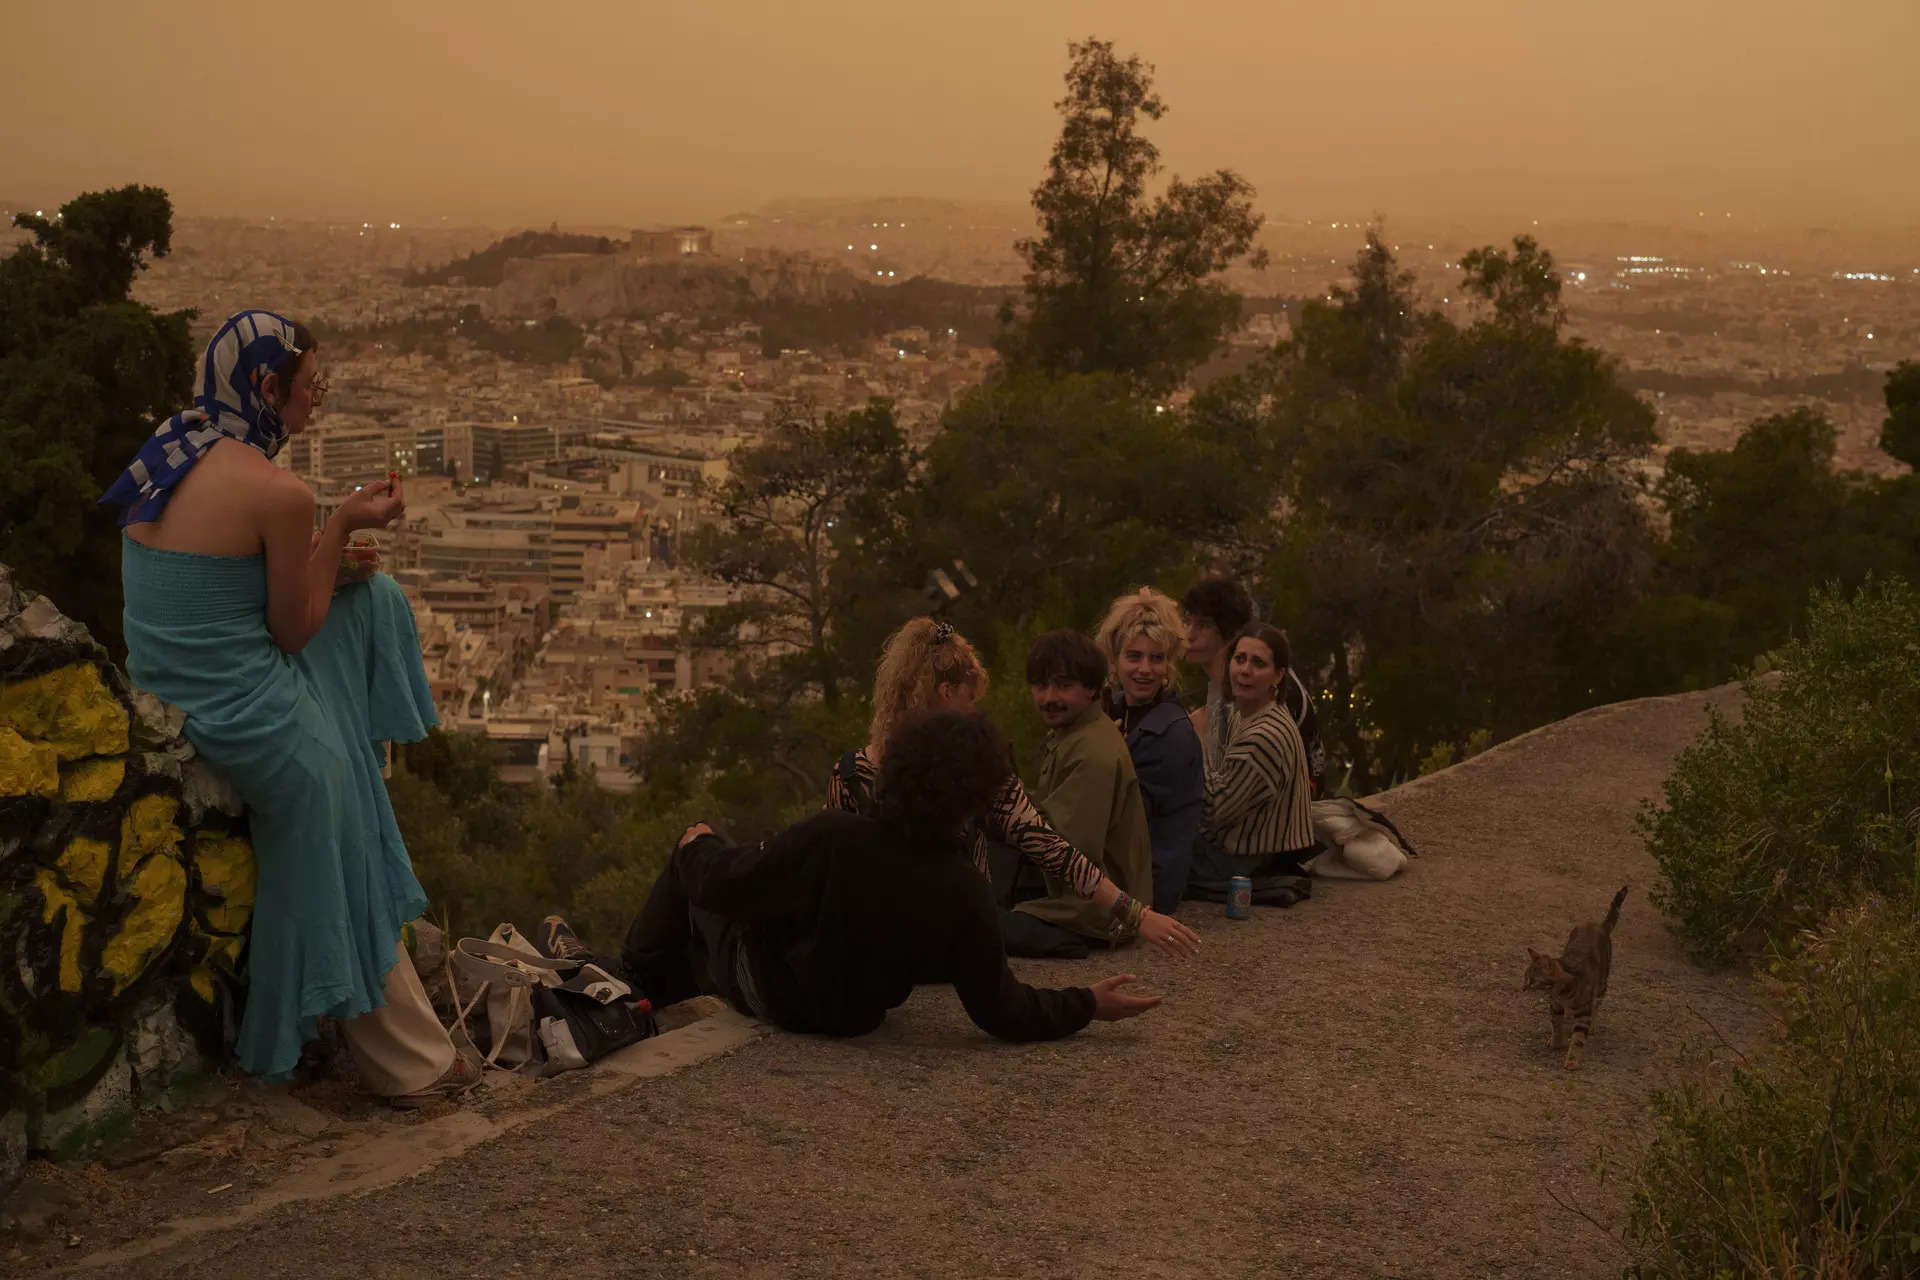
(1143,639)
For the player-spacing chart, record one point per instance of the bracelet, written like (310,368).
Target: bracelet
(1127,911)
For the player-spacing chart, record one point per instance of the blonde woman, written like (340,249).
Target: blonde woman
(1144,638)
(927,666)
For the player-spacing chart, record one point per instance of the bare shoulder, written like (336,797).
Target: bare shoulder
(277,489)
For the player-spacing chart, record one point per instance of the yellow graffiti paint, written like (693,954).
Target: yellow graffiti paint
(160,889)
(84,863)
(226,867)
(148,828)
(54,898)
(223,951)
(70,709)
(27,768)
(92,781)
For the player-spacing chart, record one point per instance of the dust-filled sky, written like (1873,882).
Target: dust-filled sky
(626,111)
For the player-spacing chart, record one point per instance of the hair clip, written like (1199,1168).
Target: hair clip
(942,631)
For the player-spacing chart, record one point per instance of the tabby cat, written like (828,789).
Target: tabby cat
(1577,980)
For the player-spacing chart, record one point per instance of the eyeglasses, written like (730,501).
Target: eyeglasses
(318,388)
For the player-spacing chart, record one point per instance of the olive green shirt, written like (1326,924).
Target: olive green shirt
(1089,794)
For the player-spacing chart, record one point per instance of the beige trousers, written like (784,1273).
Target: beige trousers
(402,1047)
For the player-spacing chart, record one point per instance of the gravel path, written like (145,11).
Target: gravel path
(1355,1087)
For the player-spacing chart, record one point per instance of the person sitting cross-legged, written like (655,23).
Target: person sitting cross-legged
(1258,819)
(1143,639)
(826,926)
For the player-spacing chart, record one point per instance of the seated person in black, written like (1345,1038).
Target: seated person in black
(823,928)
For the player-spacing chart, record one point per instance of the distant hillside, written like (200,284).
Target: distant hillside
(873,310)
(487,267)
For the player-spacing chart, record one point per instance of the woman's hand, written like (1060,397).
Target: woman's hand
(1110,1004)
(1169,934)
(373,506)
(693,833)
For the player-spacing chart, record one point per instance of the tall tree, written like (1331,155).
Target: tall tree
(84,375)
(1756,528)
(1458,512)
(1059,493)
(788,518)
(1120,281)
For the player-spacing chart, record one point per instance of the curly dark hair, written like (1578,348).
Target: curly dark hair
(1221,601)
(938,771)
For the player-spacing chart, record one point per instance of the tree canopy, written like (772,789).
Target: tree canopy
(1455,509)
(1119,280)
(85,374)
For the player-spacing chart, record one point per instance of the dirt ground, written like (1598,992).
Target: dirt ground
(1355,1087)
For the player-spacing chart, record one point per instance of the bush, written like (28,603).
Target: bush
(487,852)
(1810,800)
(1808,1164)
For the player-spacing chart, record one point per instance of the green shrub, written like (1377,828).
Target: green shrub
(1807,1164)
(1813,797)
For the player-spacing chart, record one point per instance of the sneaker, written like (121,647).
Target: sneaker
(557,941)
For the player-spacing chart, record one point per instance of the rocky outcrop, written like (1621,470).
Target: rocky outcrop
(126,887)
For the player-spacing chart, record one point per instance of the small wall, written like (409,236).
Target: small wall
(126,887)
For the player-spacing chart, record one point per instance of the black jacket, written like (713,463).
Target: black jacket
(837,917)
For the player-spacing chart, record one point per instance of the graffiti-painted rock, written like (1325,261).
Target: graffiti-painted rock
(126,888)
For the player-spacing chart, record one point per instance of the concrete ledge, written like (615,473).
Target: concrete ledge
(370,1160)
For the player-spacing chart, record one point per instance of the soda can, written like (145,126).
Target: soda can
(1240,898)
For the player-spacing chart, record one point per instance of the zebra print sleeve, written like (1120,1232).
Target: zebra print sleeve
(1015,820)
(855,798)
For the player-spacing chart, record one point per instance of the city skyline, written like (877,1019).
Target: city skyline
(622,115)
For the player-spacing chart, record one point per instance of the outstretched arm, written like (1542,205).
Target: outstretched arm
(1015,820)
(999,1003)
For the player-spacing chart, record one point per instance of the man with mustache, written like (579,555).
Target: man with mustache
(1089,793)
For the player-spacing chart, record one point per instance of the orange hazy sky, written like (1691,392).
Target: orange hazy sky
(624,111)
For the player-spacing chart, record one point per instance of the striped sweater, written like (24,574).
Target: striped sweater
(1259,797)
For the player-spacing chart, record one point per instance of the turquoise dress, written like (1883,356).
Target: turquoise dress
(296,736)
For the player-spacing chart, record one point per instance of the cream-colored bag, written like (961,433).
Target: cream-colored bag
(1358,847)
(503,969)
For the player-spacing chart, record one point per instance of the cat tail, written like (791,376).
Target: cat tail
(1613,912)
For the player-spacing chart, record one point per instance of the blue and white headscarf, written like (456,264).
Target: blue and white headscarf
(227,405)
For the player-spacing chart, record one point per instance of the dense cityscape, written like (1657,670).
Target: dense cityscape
(550,482)
(1320,612)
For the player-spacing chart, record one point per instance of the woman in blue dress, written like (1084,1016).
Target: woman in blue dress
(236,612)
